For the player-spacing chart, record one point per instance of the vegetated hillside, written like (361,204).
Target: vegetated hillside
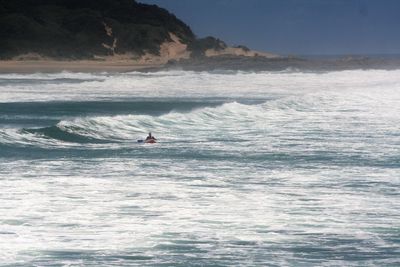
(85,28)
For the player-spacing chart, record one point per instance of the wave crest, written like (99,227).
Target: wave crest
(173,125)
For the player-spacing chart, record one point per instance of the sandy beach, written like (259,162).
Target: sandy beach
(50,66)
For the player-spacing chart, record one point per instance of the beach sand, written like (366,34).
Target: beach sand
(51,66)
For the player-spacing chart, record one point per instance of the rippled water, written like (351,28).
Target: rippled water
(251,169)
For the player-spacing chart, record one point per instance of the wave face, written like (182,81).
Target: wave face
(252,169)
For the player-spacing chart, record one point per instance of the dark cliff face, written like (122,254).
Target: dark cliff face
(84,28)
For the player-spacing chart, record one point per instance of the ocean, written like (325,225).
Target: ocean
(250,169)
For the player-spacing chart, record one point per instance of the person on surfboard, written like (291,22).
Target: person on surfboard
(149,140)
(150,137)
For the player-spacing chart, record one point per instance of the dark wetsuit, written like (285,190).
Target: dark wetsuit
(150,137)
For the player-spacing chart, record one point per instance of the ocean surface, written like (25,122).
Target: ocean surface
(250,169)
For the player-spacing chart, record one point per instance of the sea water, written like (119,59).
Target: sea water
(250,169)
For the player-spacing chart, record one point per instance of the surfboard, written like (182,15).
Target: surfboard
(147,141)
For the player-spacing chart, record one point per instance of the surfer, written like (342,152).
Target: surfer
(150,137)
(149,140)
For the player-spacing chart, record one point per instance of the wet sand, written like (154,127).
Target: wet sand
(49,66)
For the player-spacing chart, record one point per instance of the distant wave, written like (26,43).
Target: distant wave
(67,86)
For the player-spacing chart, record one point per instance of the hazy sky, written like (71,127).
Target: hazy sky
(295,26)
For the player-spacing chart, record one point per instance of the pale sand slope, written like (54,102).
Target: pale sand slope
(172,49)
(29,63)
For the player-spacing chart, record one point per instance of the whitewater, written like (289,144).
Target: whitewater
(251,169)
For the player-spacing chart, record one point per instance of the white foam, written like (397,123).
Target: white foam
(192,84)
(312,167)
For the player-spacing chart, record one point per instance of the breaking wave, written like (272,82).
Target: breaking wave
(120,128)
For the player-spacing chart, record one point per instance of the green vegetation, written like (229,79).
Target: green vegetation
(76,28)
(199,46)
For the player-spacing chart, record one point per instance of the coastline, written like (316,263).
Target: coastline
(54,66)
(240,63)
(235,63)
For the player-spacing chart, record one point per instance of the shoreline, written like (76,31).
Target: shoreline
(55,66)
(235,63)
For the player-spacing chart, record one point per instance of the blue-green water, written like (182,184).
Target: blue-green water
(251,169)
